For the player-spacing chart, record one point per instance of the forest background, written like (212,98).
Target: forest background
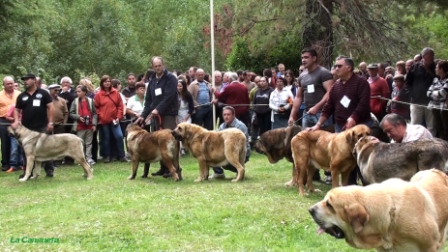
(77,38)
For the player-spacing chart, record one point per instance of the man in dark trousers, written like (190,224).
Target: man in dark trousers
(36,108)
(161,100)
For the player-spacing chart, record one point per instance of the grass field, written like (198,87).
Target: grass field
(111,213)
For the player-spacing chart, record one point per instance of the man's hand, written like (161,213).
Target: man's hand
(155,112)
(139,121)
(64,89)
(291,121)
(93,128)
(312,111)
(50,127)
(315,127)
(350,123)
(15,124)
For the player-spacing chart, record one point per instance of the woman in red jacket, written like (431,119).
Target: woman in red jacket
(109,107)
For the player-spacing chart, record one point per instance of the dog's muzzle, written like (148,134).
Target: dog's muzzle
(176,136)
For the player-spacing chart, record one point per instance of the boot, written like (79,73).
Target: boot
(160,172)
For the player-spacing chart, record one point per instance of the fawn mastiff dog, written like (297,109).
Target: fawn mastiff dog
(380,161)
(151,147)
(394,215)
(40,147)
(325,150)
(213,148)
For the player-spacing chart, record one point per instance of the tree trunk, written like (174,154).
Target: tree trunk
(318,32)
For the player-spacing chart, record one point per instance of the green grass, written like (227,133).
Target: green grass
(111,213)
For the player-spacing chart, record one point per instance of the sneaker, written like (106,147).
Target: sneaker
(123,159)
(91,162)
(218,176)
(328,180)
(5,168)
(106,160)
(11,169)
(182,152)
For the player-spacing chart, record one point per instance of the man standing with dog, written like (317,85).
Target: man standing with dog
(348,101)
(35,106)
(161,100)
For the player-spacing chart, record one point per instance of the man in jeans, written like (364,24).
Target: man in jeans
(161,99)
(314,85)
(36,107)
(419,79)
(202,96)
(230,121)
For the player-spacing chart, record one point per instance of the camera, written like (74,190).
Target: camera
(86,120)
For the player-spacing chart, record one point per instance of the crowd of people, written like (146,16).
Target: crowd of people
(342,96)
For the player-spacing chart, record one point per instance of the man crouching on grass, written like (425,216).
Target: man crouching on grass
(230,121)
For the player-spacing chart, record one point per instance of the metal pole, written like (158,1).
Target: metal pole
(212,45)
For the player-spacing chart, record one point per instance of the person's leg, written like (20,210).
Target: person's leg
(118,136)
(437,122)
(208,118)
(416,114)
(15,156)
(429,119)
(88,137)
(105,142)
(444,116)
(95,145)
(5,143)
(168,122)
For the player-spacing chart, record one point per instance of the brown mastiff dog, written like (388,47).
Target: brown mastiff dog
(276,145)
(151,147)
(325,150)
(394,215)
(40,147)
(213,148)
(379,161)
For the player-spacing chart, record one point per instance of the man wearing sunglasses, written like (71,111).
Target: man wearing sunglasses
(348,101)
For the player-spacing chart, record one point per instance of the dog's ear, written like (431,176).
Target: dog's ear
(350,137)
(357,216)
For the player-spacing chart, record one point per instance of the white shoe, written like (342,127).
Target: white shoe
(91,162)
(182,152)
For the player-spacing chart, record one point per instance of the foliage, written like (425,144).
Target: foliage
(57,38)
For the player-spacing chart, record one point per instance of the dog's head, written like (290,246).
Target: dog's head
(182,131)
(17,132)
(363,141)
(339,214)
(133,127)
(276,143)
(355,133)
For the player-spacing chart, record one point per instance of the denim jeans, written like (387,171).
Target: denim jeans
(16,157)
(311,120)
(109,130)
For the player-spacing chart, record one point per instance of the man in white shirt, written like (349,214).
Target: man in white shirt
(399,131)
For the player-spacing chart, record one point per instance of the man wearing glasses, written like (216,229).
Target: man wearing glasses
(348,101)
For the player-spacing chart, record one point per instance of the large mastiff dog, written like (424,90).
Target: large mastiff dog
(276,145)
(213,148)
(151,147)
(394,215)
(325,150)
(380,161)
(40,147)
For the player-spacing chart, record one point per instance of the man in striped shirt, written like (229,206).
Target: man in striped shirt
(348,101)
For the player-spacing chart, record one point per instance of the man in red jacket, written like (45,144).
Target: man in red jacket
(378,87)
(236,93)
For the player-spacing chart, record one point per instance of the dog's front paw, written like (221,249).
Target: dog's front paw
(23,179)
(198,180)
(316,191)
(131,177)
(290,183)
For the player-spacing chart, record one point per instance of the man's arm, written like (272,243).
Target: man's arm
(316,108)
(170,92)
(297,102)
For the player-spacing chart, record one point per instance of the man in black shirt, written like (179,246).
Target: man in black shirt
(35,106)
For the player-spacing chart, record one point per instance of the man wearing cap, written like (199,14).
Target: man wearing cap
(60,115)
(8,98)
(378,87)
(36,107)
